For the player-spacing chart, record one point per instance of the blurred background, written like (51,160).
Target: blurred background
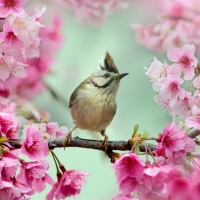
(82,47)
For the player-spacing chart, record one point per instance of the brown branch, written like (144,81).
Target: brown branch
(88,144)
(96,144)
(194,134)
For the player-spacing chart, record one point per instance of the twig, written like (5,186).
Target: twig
(194,134)
(96,144)
(89,144)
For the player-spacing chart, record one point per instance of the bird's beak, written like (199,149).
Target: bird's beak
(120,76)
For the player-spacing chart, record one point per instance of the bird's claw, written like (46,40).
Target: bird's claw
(67,139)
(105,143)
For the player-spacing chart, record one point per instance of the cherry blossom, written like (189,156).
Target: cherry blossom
(34,146)
(9,191)
(174,139)
(27,29)
(174,26)
(128,165)
(11,7)
(170,88)
(93,13)
(123,197)
(8,125)
(9,65)
(8,38)
(33,174)
(69,184)
(157,70)
(52,130)
(10,167)
(185,59)
(196,82)
(194,120)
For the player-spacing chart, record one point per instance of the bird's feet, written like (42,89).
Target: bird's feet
(68,137)
(105,141)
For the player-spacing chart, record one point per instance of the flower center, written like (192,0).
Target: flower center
(11,36)
(185,61)
(173,87)
(9,3)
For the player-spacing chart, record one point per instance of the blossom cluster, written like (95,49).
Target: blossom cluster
(21,178)
(93,13)
(174,174)
(178,85)
(27,51)
(176,25)
(24,57)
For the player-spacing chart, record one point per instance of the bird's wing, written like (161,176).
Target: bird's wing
(72,98)
(74,94)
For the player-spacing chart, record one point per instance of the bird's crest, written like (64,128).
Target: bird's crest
(107,63)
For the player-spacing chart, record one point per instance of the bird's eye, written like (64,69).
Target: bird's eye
(106,75)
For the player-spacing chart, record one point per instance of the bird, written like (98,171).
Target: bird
(93,103)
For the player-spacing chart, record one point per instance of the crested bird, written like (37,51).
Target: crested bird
(93,103)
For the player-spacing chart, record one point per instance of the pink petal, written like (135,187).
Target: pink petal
(196,82)
(193,122)
(174,54)
(188,49)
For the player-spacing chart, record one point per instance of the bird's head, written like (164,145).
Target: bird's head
(106,75)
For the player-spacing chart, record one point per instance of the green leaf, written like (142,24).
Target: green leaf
(3,139)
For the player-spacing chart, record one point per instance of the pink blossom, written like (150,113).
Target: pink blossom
(153,196)
(39,13)
(27,29)
(174,139)
(174,26)
(8,38)
(31,50)
(124,197)
(5,67)
(52,33)
(128,165)
(185,59)
(170,88)
(24,189)
(8,125)
(33,174)
(9,65)
(131,184)
(155,177)
(52,130)
(9,191)
(69,184)
(179,188)
(10,167)
(33,83)
(196,82)
(34,146)
(195,100)
(157,70)
(181,108)
(11,7)
(93,12)
(61,132)
(194,120)
(163,102)
(90,15)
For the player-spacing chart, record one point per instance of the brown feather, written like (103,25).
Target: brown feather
(109,64)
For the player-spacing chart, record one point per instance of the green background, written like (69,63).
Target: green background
(81,50)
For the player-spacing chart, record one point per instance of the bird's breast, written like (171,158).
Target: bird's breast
(93,110)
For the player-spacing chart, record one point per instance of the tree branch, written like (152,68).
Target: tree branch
(194,134)
(96,144)
(88,144)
